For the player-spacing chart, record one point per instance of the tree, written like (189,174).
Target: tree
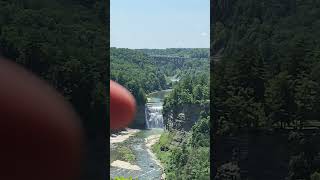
(280,100)
(306,98)
(315,176)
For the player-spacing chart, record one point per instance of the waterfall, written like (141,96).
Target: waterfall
(154,118)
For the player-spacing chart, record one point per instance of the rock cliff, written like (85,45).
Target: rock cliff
(184,117)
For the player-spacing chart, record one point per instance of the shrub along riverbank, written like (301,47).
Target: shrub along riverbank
(185,155)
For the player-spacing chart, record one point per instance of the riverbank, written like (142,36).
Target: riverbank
(124,155)
(150,141)
(143,164)
(123,135)
(125,165)
(131,152)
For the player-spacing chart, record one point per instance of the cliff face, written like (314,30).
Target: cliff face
(139,121)
(184,117)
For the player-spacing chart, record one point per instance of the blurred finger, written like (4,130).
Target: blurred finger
(39,132)
(122,106)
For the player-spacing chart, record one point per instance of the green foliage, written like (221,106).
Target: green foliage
(141,73)
(200,133)
(298,167)
(190,90)
(179,52)
(126,154)
(267,76)
(179,61)
(279,99)
(66,49)
(186,154)
(161,148)
(190,158)
(228,171)
(123,152)
(144,71)
(266,72)
(315,176)
(136,71)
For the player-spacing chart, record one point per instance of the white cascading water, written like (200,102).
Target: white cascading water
(154,118)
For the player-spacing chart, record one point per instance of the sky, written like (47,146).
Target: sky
(159,24)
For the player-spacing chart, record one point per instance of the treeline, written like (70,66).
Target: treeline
(64,43)
(137,72)
(64,48)
(141,73)
(181,52)
(268,76)
(194,67)
(193,60)
(190,90)
(185,154)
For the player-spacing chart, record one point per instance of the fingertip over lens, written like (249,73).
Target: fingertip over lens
(122,106)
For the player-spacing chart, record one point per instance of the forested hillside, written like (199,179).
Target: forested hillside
(180,52)
(66,49)
(137,72)
(191,90)
(270,63)
(142,73)
(268,75)
(184,147)
(178,62)
(63,42)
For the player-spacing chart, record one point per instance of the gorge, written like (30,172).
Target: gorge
(162,88)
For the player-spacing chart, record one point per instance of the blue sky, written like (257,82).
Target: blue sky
(161,24)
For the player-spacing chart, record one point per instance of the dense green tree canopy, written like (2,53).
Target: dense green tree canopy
(266,76)
(142,72)
(186,154)
(266,73)
(64,42)
(136,71)
(66,49)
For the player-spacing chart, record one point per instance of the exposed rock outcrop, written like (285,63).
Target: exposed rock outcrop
(184,117)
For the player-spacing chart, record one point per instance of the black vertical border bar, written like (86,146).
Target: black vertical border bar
(107,118)
(96,149)
(213,3)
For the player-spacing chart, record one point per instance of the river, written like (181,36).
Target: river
(146,165)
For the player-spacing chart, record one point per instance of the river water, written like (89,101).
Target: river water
(150,170)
